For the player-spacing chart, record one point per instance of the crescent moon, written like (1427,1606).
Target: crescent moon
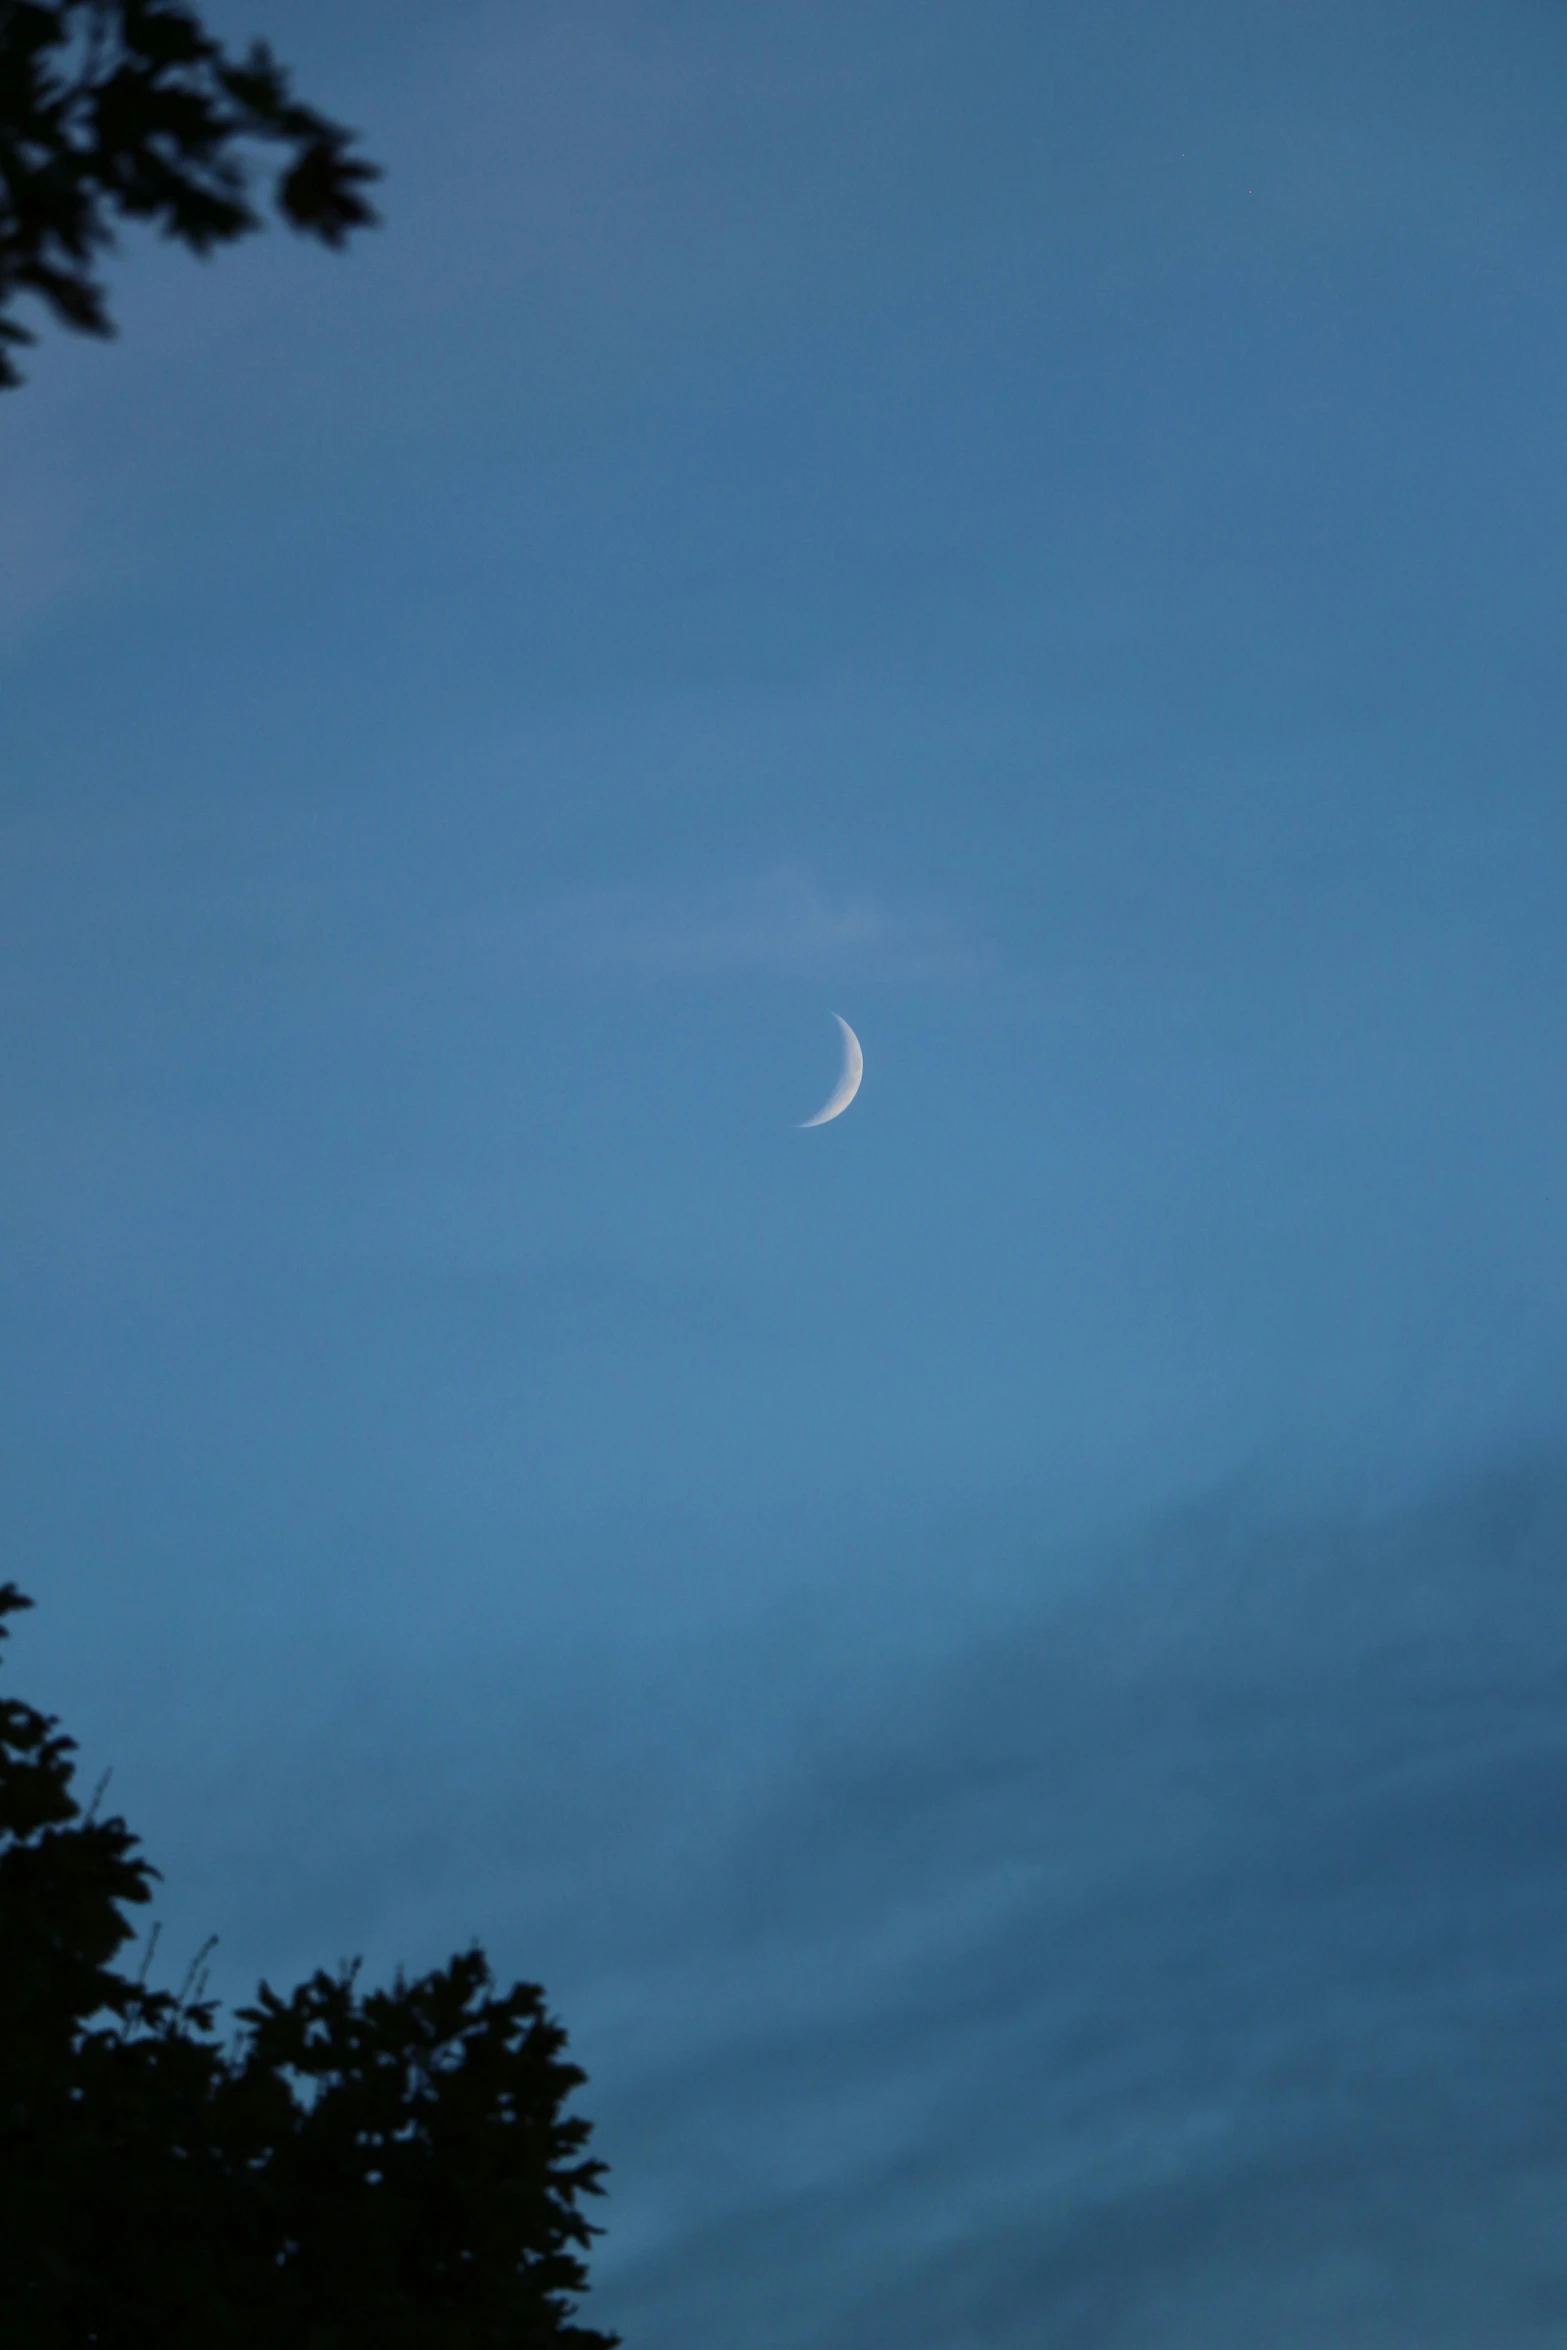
(848,1084)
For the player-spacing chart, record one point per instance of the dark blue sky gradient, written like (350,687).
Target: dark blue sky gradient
(1003,1658)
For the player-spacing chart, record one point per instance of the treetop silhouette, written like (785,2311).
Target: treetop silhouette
(357,2170)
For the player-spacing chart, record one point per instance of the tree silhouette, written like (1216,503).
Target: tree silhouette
(357,2170)
(130,110)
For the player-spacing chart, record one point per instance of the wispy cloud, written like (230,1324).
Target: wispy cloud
(44,563)
(784,922)
(1182,1966)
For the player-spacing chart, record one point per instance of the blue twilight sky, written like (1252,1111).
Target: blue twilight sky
(1005,1659)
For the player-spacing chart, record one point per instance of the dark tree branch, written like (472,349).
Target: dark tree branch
(115,110)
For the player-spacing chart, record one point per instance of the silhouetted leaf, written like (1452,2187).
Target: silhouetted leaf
(114,110)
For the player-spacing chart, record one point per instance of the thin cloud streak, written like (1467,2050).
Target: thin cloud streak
(1184,1960)
(783,924)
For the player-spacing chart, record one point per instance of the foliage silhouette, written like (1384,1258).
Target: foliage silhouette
(129,109)
(382,2170)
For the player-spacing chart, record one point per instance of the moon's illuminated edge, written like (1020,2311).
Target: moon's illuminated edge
(848,1084)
